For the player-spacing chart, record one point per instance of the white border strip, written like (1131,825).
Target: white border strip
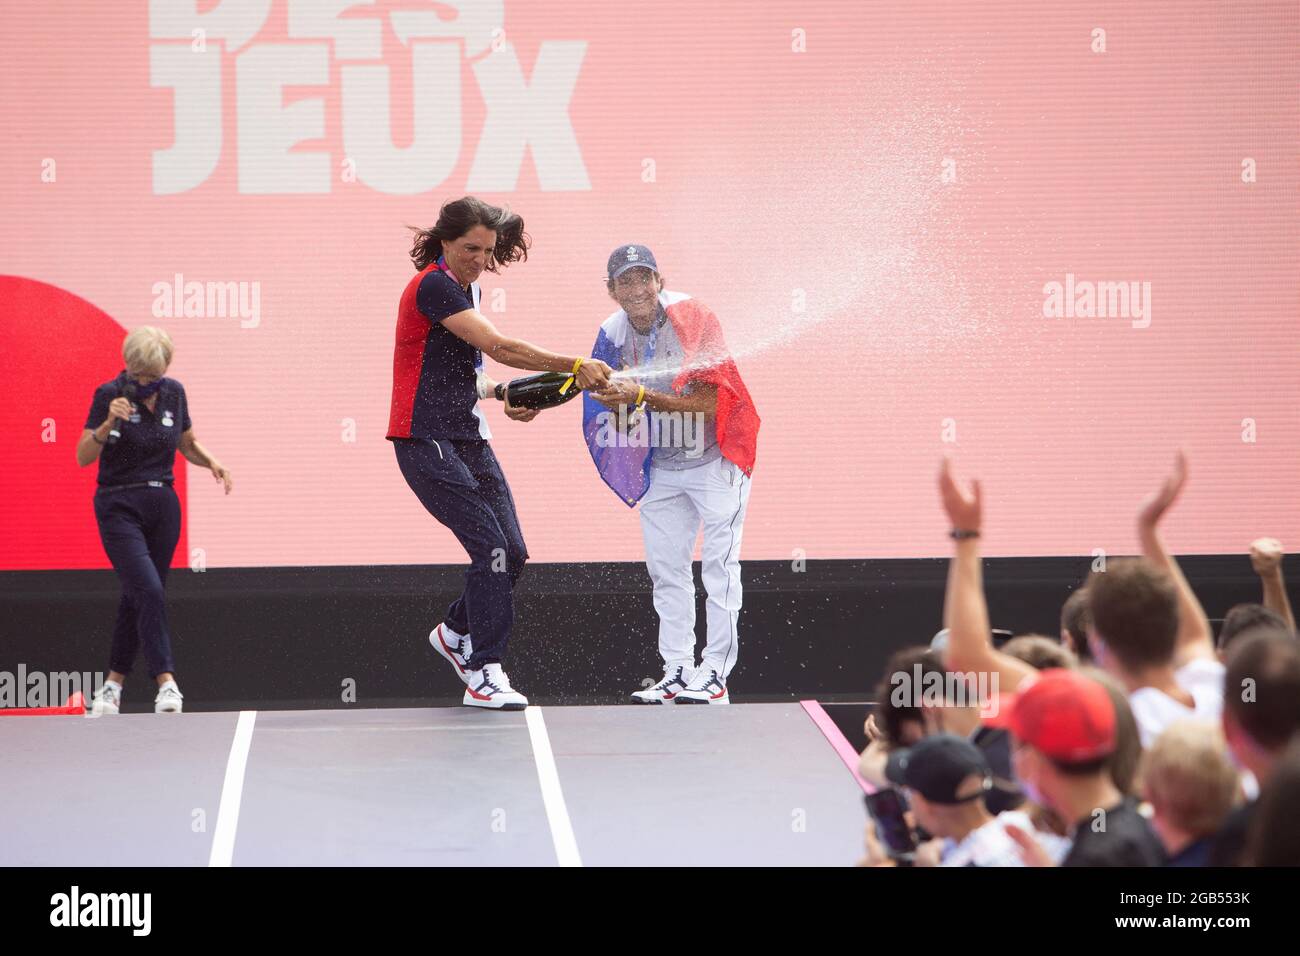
(232,791)
(557,814)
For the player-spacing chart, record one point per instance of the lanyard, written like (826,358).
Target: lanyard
(650,339)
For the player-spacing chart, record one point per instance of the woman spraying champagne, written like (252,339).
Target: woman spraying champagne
(440,434)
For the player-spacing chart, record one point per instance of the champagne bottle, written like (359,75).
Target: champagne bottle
(538,391)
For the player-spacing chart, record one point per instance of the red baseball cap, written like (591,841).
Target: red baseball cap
(1067,716)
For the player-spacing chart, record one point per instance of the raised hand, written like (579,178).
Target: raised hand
(962,504)
(1160,501)
(1266,555)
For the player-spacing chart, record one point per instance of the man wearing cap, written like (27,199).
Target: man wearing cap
(955,713)
(948,779)
(1064,726)
(677,433)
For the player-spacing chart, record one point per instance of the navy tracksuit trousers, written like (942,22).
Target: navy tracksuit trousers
(460,483)
(139,528)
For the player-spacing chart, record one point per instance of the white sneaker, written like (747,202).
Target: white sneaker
(454,648)
(168,700)
(106,701)
(674,682)
(706,687)
(490,687)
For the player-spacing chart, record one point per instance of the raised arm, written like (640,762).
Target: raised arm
(1195,639)
(965,612)
(1266,559)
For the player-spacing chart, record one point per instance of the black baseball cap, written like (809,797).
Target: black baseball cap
(629,257)
(936,767)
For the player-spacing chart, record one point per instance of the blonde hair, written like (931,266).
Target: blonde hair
(147,349)
(1188,777)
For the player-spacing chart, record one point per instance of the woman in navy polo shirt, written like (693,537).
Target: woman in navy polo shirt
(440,434)
(137,423)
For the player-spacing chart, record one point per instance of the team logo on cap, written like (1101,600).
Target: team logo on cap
(632,254)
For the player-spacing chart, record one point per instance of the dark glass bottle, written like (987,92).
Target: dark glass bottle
(539,391)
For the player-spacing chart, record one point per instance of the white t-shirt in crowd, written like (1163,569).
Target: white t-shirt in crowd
(1155,710)
(990,845)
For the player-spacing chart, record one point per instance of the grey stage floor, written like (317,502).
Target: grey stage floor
(749,784)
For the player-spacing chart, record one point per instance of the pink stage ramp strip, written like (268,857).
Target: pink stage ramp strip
(837,740)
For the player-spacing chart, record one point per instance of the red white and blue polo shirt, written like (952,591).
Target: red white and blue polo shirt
(435,393)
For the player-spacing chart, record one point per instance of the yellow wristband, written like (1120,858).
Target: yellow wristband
(640,394)
(577,365)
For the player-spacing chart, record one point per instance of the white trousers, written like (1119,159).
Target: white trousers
(678,504)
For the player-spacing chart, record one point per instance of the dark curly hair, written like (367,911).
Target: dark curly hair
(459,216)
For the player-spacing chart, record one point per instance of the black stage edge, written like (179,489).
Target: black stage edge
(280,638)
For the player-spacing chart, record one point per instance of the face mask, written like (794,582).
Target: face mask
(143,392)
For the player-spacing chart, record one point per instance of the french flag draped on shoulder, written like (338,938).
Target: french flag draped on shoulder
(626,467)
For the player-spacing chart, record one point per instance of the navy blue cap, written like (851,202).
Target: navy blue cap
(937,766)
(629,257)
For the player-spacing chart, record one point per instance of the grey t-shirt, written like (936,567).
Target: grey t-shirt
(680,440)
